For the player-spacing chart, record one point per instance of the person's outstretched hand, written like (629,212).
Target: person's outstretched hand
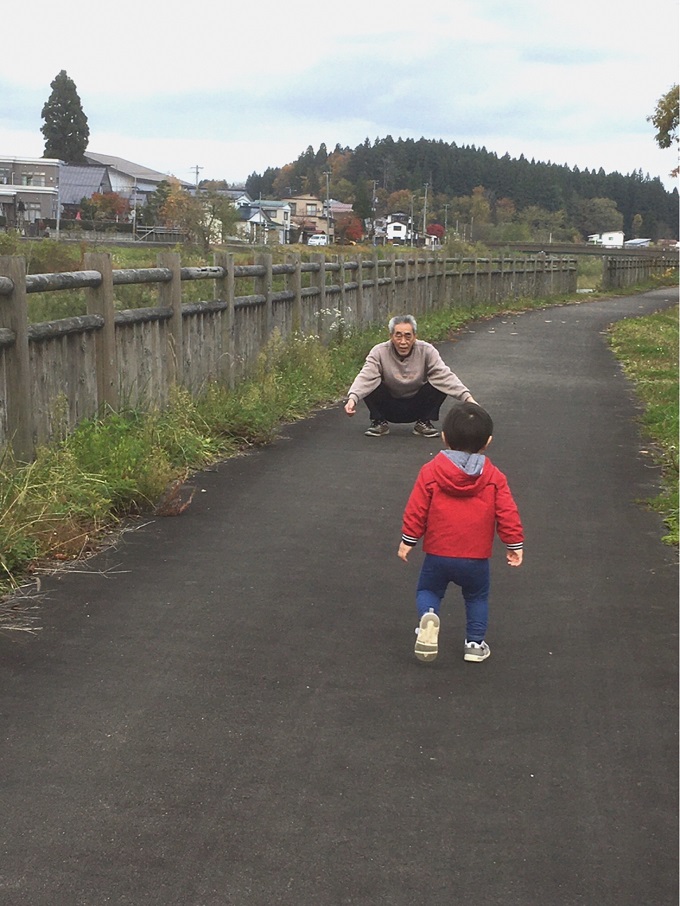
(351,406)
(514,558)
(404,551)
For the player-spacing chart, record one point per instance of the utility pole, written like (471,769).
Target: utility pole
(446,218)
(134,212)
(58,211)
(410,223)
(328,207)
(373,207)
(425,215)
(196,170)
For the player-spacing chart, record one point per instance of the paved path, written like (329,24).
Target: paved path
(233,714)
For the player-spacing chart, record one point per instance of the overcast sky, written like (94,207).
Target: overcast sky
(235,88)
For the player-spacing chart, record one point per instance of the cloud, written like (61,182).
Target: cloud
(237,89)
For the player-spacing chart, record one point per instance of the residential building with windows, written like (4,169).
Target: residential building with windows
(308,216)
(29,192)
(279,216)
(238,197)
(254,225)
(264,222)
(399,229)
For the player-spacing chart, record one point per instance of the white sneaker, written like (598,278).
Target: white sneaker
(476,651)
(427,635)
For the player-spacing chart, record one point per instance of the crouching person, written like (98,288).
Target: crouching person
(404,380)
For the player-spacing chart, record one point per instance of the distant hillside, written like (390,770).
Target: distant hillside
(397,172)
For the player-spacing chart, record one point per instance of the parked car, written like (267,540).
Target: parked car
(318,239)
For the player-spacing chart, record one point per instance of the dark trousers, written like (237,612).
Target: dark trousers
(424,406)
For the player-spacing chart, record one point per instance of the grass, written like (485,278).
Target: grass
(648,351)
(78,491)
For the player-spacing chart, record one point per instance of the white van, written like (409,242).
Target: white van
(318,239)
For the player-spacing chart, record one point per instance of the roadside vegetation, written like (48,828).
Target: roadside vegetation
(80,491)
(648,351)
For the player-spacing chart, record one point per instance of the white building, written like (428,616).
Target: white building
(611,240)
(399,229)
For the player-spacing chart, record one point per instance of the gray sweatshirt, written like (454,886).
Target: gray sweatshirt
(404,377)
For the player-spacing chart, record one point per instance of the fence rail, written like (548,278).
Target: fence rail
(54,374)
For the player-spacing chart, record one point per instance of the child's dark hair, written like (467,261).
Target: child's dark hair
(467,427)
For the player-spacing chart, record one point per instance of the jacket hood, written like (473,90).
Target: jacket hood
(460,474)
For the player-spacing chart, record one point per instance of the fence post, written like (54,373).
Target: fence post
(414,305)
(320,280)
(264,284)
(394,308)
(14,317)
(605,273)
(170,296)
(343,294)
(378,308)
(296,285)
(225,292)
(360,312)
(100,301)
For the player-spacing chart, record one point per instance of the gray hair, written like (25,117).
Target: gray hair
(402,319)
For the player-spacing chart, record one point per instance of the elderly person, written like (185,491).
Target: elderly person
(404,380)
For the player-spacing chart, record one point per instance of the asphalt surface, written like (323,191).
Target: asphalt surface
(225,707)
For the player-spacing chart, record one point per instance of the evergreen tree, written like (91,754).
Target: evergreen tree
(453,174)
(66,131)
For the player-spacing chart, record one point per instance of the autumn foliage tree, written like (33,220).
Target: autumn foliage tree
(105,206)
(348,228)
(666,120)
(206,218)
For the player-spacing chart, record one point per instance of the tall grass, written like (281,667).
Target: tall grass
(648,351)
(119,464)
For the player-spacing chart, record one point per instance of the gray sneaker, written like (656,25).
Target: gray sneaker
(427,636)
(476,651)
(377,429)
(425,429)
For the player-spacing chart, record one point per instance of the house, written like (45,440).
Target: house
(308,215)
(238,197)
(130,180)
(399,229)
(29,192)
(254,224)
(611,240)
(340,207)
(78,182)
(637,243)
(279,216)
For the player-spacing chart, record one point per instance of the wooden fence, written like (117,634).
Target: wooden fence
(620,272)
(54,374)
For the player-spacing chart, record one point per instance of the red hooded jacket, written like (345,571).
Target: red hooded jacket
(458,502)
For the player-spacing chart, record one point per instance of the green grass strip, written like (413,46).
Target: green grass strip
(647,349)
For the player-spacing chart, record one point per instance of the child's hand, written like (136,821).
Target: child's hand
(514,558)
(404,551)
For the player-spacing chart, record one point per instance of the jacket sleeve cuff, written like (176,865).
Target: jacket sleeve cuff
(410,540)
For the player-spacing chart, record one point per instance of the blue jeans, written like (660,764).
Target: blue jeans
(474,578)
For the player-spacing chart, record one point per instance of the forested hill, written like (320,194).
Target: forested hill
(465,182)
